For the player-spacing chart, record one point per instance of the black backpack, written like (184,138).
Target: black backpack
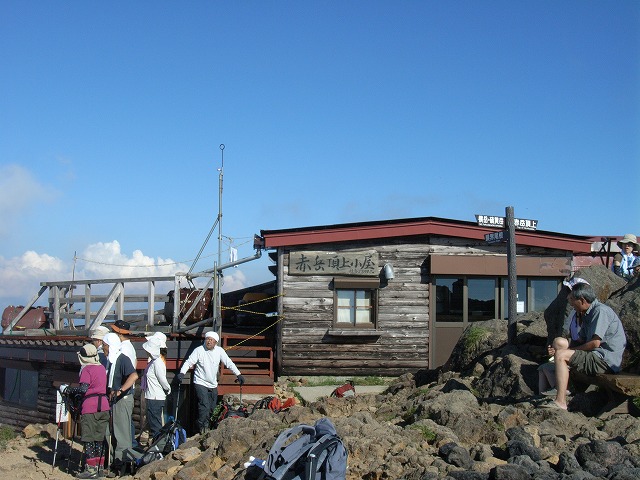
(307,452)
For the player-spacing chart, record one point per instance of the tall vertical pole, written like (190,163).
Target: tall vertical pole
(513,277)
(217,314)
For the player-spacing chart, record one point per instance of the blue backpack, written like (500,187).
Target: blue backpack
(307,452)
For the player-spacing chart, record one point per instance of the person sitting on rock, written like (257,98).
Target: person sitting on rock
(625,262)
(571,330)
(603,342)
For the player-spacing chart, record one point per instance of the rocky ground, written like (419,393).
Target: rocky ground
(477,418)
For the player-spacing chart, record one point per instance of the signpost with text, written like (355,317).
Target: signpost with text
(508,225)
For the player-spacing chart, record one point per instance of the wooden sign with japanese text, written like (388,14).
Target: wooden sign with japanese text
(363,263)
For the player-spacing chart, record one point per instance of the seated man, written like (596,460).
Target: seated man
(603,340)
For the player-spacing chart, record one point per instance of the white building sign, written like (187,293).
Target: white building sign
(500,222)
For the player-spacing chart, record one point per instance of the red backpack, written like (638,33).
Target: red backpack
(346,390)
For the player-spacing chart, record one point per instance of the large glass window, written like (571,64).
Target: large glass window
(543,292)
(449,299)
(470,299)
(521,292)
(481,298)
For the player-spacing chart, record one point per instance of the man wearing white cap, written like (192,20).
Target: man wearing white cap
(207,358)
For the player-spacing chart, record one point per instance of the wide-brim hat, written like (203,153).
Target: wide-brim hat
(629,238)
(99,333)
(152,347)
(160,337)
(88,355)
(121,326)
(572,282)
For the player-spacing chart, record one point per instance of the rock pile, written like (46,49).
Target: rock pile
(476,418)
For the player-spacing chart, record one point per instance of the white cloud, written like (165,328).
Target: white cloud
(234,279)
(20,277)
(19,192)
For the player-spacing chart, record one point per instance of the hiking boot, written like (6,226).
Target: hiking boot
(89,472)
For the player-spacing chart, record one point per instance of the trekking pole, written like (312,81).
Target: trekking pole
(107,455)
(175,417)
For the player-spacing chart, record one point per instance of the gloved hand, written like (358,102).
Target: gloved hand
(240,380)
(179,378)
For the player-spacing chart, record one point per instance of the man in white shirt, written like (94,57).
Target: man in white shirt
(122,328)
(206,358)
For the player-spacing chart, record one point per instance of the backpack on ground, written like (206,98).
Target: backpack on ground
(227,410)
(274,404)
(168,439)
(346,390)
(307,452)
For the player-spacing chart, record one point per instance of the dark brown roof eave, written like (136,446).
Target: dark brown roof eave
(431,226)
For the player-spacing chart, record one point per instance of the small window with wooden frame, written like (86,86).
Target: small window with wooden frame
(355,303)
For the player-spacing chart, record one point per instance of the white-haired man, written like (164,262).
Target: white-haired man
(206,359)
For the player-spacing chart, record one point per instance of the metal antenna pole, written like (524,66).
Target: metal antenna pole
(218,294)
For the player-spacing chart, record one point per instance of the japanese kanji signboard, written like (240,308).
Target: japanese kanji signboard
(363,263)
(499,222)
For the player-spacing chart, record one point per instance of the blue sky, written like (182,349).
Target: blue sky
(112,113)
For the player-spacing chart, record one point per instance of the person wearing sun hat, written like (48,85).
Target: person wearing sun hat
(161,337)
(154,383)
(96,338)
(625,262)
(94,418)
(122,329)
(206,358)
(121,376)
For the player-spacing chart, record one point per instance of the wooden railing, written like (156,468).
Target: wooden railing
(253,356)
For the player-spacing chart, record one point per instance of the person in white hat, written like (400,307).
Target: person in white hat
(162,339)
(154,383)
(625,262)
(206,358)
(96,338)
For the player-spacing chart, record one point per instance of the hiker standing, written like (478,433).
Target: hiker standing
(154,383)
(121,376)
(94,418)
(96,338)
(206,358)
(122,329)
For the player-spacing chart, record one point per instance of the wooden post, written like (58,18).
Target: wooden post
(513,277)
